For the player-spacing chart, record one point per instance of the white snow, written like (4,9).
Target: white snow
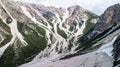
(107,42)
(108,47)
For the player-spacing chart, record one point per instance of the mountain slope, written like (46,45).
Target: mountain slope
(103,38)
(34,31)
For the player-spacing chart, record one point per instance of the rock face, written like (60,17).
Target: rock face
(32,31)
(46,34)
(103,33)
(107,24)
(116,51)
(76,12)
(110,18)
(116,48)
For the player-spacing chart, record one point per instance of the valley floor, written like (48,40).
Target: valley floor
(94,59)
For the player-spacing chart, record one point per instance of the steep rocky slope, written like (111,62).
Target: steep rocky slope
(33,32)
(116,50)
(103,38)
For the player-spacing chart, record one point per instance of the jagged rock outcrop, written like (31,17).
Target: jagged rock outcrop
(116,52)
(116,48)
(110,18)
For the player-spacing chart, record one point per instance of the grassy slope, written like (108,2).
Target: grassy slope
(35,42)
(7,36)
(61,32)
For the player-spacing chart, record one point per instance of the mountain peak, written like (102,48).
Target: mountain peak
(31,31)
(115,7)
(75,8)
(110,17)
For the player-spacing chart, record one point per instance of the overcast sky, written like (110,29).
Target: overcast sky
(96,6)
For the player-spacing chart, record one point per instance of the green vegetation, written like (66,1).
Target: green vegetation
(6,40)
(14,56)
(43,23)
(61,32)
(89,42)
(71,28)
(84,41)
(70,43)
(88,28)
(20,26)
(7,36)
(40,30)
(4,26)
(36,42)
(90,24)
(51,24)
(6,59)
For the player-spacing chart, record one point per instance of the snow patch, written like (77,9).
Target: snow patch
(108,47)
